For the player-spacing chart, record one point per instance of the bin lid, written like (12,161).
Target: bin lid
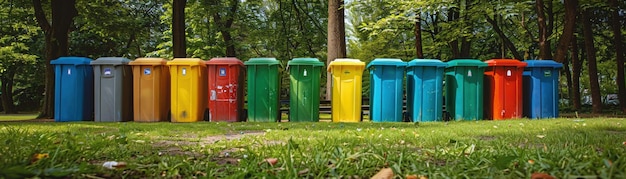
(110,61)
(345,62)
(386,62)
(186,61)
(427,62)
(262,61)
(466,62)
(505,62)
(305,61)
(148,61)
(224,61)
(71,61)
(543,63)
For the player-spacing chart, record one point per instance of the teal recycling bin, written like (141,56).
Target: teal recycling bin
(386,86)
(304,90)
(425,89)
(73,89)
(113,88)
(464,89)
(541,89)
(263,89)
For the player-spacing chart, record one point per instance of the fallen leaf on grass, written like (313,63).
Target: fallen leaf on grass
(541,176)
(36,157)
(385,173)
(302,172)
(541,136)
(271,161)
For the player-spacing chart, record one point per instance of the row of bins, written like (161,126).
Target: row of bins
(192,89)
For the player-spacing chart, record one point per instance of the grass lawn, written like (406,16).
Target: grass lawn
(17,117)
(565,148)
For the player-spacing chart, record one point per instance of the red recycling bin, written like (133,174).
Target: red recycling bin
(225,90)
(503,89)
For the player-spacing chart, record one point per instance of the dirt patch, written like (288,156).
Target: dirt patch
(487,138)
(231,136)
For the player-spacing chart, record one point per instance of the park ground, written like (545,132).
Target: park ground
(584,147)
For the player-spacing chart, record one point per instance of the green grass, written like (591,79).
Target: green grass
(565,148)
(16,117)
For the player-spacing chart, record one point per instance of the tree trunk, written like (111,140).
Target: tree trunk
(596,98)
(178,28)
(418,37)
(7,92)
(225,25)
(568,78)
(507,42)
(544,42)
(618,43)
(336,47)
(57,42)
(571,7)
(576,68)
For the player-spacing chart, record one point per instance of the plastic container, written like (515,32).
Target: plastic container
(346,94)
(113,89)
(225,95)
(151,89)
(386,89)
(464,89)
(304,90)
(73,89)
(188,97)
(541,86)
(503,89)
(425,90)
(263,89)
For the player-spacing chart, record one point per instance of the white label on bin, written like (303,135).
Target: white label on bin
(184,70)
(107,71)
(147,71)
(469,73)
(508,72)
(213,95)
(69,71)
(222,71)
(304,72)
(547,73)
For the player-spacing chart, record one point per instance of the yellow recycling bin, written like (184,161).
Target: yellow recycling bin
(188,87)
(346,95)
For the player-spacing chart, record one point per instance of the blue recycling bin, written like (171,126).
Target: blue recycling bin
(386,97)
(541,86)
(425,89)
(73,89)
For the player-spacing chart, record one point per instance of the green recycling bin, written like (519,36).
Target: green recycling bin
(304,90)
(464,89)
(263,89)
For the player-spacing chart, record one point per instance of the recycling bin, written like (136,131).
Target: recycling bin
(113,82)
(503,89)
(73,89)
(425,90)
(263,89)
(386,89)
(188,89)
(346,94)
(151,89)
(225,95)
(464,89)
(541,86)
(304,90)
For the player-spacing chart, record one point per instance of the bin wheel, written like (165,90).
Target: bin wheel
(206,115)
(244,117)
(169,116)
(405,117)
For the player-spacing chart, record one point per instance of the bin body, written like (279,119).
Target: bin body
(386,89)
(188,89)
(503,89)
(263,89)
(304,90)
(346,93)
(541,86)
(225,89)
(425,90)
(113,82)
(464,89)
(73,90)
(151,89)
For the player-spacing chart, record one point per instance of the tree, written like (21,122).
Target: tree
(336,37)
(56,34)
(591,62)
(224,24)
(178,28)
(618,43)
(571,11)
(545,30)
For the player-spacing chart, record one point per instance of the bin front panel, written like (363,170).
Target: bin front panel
(541,85)
(346,96)
(263,94)
(425,93)
(225,86)
(73,92)
(304,95)
(386,93)
(464,92)
(112,93)
(503,89)
(188,85)
(151,92)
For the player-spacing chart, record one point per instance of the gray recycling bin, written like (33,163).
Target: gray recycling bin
(113,89)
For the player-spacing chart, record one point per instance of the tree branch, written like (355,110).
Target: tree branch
(40,16)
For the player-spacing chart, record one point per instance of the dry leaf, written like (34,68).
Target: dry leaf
(541,176)
(541,136)
(385,173)
(271,161)
(302,172)
(411,177)
(531,162)
(36,157)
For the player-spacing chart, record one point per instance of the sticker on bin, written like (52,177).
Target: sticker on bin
(547,73)
(469,73)
(508,72)
(147,71)
(184,70)
(107,71)
(69,71)
(304,72)
(222,71)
